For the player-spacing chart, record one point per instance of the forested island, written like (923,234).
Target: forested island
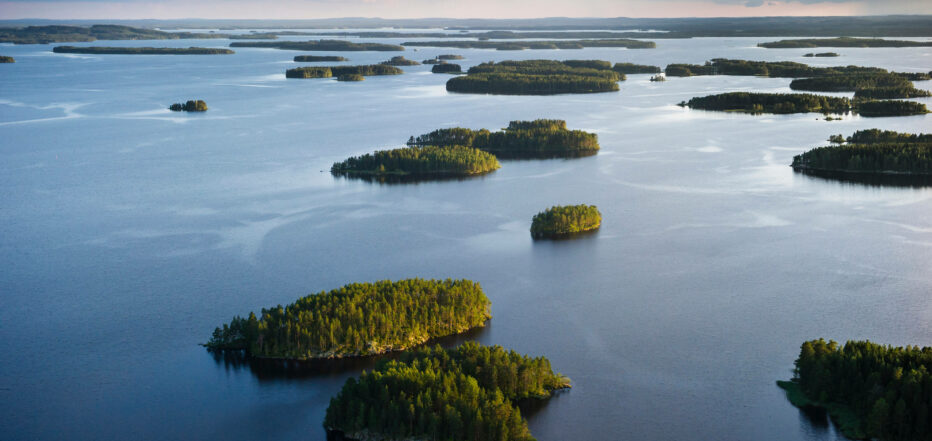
(534,77)
(631,68)
(870,390)
(562,221)
(400,60)
(320,45)
(358,319)
(542,138)
(871,152)
(750,102)
(189,106)
(535,44)
(318,58)
(5,59)
(822,54)
(62,34)
(890,108)
(112,50)
(330,71)
(463,394)
(842,42)
(776,69)
(447,68)
(872,85)
(448,57)
(420,162)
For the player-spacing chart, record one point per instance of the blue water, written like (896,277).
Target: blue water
(128,232)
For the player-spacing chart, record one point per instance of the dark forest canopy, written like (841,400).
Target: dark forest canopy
(62,34)
(872,151)
(890,108)
(330,71)
(5,59)
(447,68)
(542,138)
(822,54)
(358,319)
(447,57)
(400,60)
(873,85)
(351,77)
(535,44)
(426,161)
(189,106)
(770,103)
(534,77)
(318,58)
(631,68)
(565,220)
(140,50)
(873,391)
(781,69)
(591,64)
(915,76)
(462,394)
(842,42)
(320,45)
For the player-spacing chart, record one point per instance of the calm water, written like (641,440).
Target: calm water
(127,233)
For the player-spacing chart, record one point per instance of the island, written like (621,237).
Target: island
(842,42)
(320,46)
(631,68)
(462,394)
(870,152)
(869,390)
(534,77)
(535,44)
(351,77)
(776,69)
(62,34)
(6,59)
(874,85)
(359,319)
(822,54)
(542,138)
(658,78)
(562,221)
(447,68)
(330,71)
(113,50)
(189,106)
(447,57)
(318,58)
(400,60)
(419,162)
(756,103)
(433,61)
(890,108)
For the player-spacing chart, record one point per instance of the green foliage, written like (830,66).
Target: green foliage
(400,60)
(915,76)
(776,69)
(359,319)
(536,44)
(189,106)
(59,34)
(591,64)
(562,220)
(5,59)
(466,393)
(521,139)
(631,68)
(891,108)
(842,42)
(770,103)
(351,77)
(106,50)
(534,77)
(886,390)
(891,92)
(446,68)
(329,71)
(318,58)
(872,85)
(822,54)
(320,45)
(420,161)
(872,151)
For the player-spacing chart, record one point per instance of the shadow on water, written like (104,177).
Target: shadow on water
(266,369)
(582,235)
(395,179)
(871,180)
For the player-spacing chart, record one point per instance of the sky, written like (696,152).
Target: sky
(307,9)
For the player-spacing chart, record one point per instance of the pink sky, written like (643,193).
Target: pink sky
(298,9)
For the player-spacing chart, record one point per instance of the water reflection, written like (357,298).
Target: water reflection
(871,180)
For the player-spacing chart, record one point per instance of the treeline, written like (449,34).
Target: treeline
(140,50)
(770,103)
(876,86)
(318,58)
(777,69)
(879,391)
(822,54)
(890,108)
(61,34)
(447,68)
(330,71)
(872,151)
(320,45)
(189,106)
(535,77)
(351,77)
(358,319)
(535,44)
(542,138)
(400,60)
(5,59)
(462,394)
(562,220)
(631,68)
(424,161)
(842,42)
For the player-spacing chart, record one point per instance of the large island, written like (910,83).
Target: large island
(419,163)
(542,138)
(871,152)
(336,71)
(865,85)
(462,394)
(562,221)
(534,77)
(358,319)
(842,42)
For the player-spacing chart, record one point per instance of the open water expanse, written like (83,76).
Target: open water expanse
(128,232)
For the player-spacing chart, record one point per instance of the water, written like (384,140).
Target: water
(127,233)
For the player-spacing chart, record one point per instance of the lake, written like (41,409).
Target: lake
(128,232)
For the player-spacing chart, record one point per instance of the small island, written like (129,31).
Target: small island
(534,77)
(359,319)
(5,59)
(869,390)
(467,393)
(842,42)
(419,162)
(448,57)
(658,78)
(631,68)
(875,85)
(189,106)
(822,54)
(562,221)
(351,77)
(112,50)
(447,68)
(330,71)
(318,58)
(400,60)
(542,138)
(535,44)
(871,152)
(757,103)
(320,46)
